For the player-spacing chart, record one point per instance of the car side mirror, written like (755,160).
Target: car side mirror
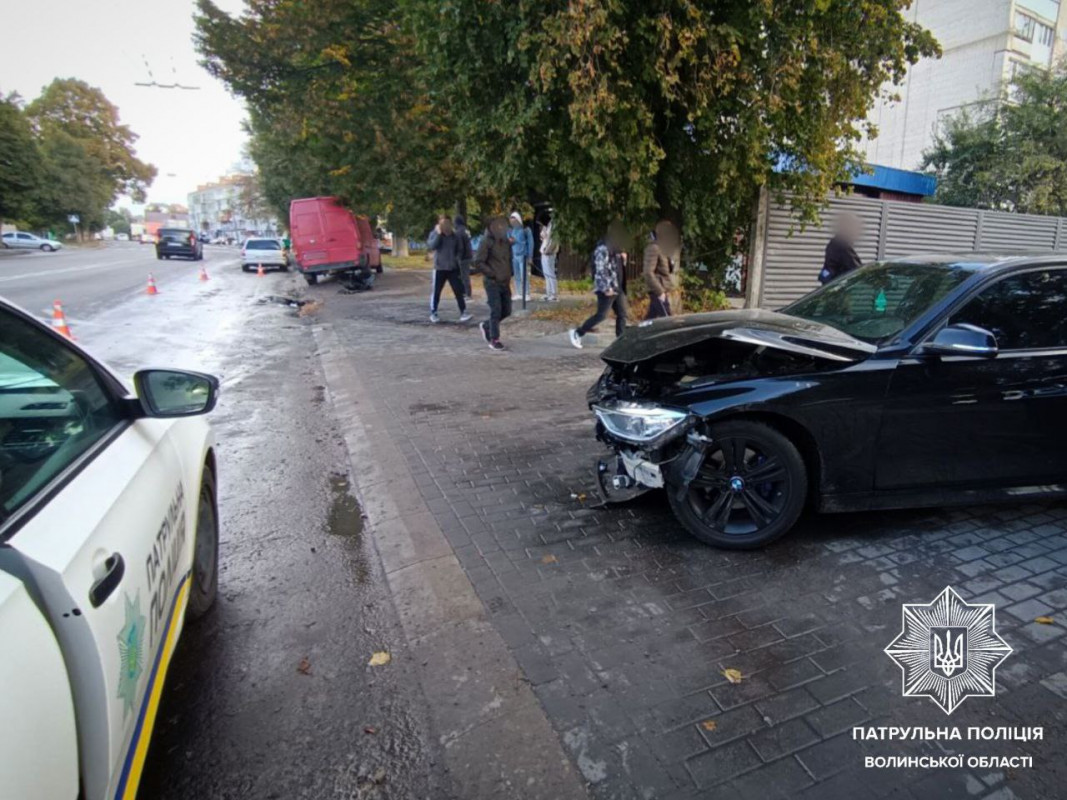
(175,393)
(962,339)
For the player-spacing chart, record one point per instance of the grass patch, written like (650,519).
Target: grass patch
(415,261)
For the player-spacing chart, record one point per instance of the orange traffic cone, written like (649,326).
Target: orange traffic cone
(260,272)
(203,274)
(151,285)
(59,321)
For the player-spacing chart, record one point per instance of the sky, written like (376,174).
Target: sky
(192,137)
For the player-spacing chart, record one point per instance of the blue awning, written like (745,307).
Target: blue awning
(890,179)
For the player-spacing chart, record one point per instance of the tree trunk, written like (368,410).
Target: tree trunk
(461,206)
(400,246)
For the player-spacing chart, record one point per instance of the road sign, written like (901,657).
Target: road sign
(73,219)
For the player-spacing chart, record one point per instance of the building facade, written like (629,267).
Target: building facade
(222,209)
(984,44)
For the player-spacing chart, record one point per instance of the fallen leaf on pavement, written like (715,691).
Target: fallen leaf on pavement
(709,725)
(1044,620)
(549,559)
(304,667)
(732,675)
(370,729)
(379,775)
(379,659)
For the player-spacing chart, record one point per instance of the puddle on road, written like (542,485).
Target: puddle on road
(345,519)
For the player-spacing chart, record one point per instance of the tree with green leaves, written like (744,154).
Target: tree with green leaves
(21,165)
(662,108)
(88,154)
(1010,152)
(338,105)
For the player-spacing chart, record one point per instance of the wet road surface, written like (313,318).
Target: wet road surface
(271,694)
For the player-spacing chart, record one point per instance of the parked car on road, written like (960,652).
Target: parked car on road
(27,241)
(146,238)
(108,543)
(122,237)
(264,252)
(915,382)
(182,242)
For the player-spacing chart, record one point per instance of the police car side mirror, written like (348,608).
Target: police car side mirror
(175,393)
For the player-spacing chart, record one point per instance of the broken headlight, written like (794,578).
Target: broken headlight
(639,422)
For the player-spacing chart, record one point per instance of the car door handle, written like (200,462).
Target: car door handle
(100,591)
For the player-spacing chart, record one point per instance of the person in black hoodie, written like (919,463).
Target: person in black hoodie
(841,256)
(468,255)
(448,249)
(493,262)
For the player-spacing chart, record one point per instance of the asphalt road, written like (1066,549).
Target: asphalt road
(89,279)
(271,694)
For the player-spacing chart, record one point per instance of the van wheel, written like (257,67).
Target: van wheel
(204,583)
(312,279)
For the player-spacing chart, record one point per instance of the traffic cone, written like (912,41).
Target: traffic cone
(260,272)
(59,321)
(151,285)
(203,274)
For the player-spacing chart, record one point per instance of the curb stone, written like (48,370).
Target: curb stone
(496,741)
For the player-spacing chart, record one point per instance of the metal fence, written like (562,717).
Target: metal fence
(791,258)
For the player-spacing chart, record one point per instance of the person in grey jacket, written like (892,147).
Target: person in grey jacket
(448,251)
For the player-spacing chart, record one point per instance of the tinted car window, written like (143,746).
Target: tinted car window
(262,244)
(174,233)
(52,409)
(1024,312)
(878,301)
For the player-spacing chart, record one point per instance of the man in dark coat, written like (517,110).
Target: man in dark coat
(493,262)
(841,257)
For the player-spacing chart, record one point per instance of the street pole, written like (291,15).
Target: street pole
(525,281)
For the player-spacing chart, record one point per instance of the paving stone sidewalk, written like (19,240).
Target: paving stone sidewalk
(623,624)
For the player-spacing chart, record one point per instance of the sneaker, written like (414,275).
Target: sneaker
(433,317)
(516,298)
(576,338)
(465,317)
(484,326)
(496,345)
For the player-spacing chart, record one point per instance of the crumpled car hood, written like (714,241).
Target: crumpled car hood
(751,326)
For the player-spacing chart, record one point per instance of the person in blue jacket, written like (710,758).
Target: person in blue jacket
(522,253)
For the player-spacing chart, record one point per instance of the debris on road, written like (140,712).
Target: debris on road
(732,675)
(379,659)
(304,667)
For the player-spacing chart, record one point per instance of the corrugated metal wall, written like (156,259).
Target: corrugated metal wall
(891,229)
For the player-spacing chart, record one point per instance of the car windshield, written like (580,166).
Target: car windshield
(878,301)
(263,244)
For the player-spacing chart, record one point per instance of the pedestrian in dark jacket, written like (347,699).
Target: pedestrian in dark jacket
(493,262)
(661,268)
(447,249)
(841,256)
(468,254)
(609,283)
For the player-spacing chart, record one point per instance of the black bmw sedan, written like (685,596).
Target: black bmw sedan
(917,382)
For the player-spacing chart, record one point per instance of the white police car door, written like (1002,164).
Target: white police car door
(92,503)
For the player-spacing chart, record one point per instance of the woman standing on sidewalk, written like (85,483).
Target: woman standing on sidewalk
(549,251)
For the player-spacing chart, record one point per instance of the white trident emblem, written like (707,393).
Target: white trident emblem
(948,650)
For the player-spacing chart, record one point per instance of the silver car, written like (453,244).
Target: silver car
(30,242)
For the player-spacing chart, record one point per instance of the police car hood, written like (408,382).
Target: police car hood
(750,326)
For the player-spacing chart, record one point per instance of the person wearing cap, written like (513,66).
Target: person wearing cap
(522,251)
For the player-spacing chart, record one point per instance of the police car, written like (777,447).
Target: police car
(108,542)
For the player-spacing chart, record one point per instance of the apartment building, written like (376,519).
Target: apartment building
(221,207)
(984,43)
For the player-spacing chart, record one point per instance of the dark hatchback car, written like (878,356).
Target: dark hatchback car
(173,242)
(919,382)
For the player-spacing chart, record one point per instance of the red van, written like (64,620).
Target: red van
(325,237)
(371,250)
